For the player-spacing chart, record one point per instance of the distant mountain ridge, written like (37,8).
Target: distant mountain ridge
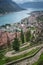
(8,6)
(32,5)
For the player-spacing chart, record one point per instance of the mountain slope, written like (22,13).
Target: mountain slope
(8,6)
(32,5)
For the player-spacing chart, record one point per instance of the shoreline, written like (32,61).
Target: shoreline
(10,12)
(30,14)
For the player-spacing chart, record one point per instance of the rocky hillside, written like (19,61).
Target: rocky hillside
(8,6)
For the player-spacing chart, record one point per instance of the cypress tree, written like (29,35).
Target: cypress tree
(28,36)
(22,36)
(16,44)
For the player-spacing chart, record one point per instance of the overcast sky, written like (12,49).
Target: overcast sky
(21,1)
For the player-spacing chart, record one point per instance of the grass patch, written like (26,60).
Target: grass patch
(4,59)
(9,59)
(40,60)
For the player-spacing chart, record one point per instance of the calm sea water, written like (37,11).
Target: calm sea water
(16,16)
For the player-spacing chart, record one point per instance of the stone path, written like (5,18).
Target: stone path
(30,61)
(25,45)
(9,54)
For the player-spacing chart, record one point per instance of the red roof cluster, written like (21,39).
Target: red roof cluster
(4,35)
